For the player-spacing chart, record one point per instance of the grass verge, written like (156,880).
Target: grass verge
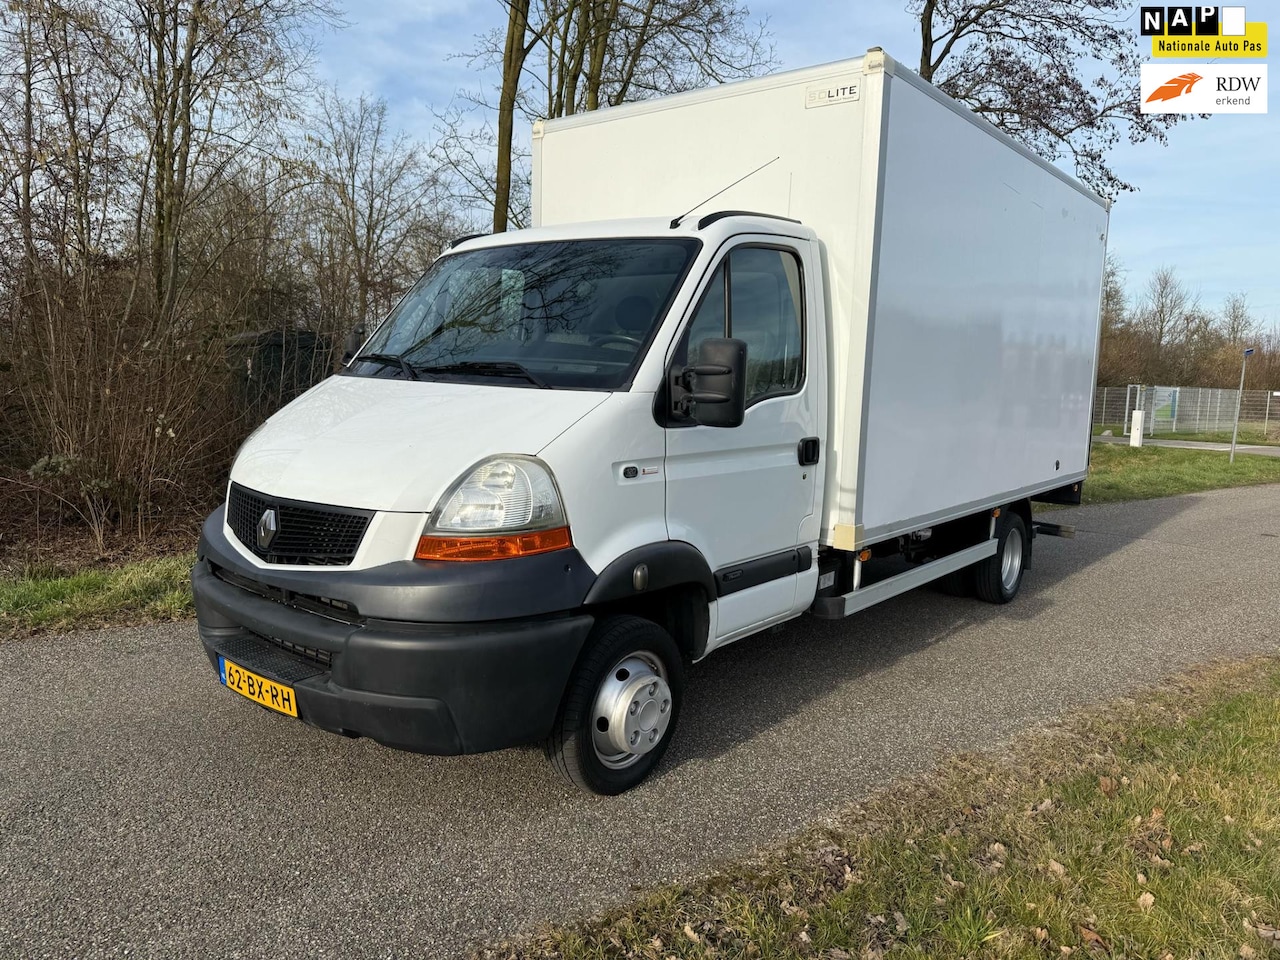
(1119,472)
(142,591)
(1145,829)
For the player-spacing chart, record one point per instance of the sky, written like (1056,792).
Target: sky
(1207,204)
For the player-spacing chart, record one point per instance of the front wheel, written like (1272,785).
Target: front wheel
(621,708)
(998,577)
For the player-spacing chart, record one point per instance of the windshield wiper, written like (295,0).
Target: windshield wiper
(497,368)
(392,360)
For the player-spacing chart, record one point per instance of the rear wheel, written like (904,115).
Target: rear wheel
(998,577)
(957,583)
(621,708)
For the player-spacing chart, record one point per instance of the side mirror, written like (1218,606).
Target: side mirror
(713,391)
(355,340)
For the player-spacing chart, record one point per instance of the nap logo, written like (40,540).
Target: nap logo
(1191,21)
(1208,88)
(1202,32)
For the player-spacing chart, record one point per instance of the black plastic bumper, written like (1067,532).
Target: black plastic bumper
(441,688)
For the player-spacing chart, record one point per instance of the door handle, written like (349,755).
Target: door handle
(807,452)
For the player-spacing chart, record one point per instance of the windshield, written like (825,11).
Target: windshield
(574,313)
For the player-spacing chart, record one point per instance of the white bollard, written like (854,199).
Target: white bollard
(1135,429)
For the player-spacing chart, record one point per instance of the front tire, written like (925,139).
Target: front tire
(998,577)
(620,711)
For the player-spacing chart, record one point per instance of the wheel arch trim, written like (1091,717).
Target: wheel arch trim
(670,563)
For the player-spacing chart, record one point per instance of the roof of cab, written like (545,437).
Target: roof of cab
(717,227)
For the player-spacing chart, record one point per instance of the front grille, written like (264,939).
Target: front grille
(307,533)
(327,607)
(317,605)
(322,657)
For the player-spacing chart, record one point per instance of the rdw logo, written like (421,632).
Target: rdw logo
(1238,84)
(1176,87)
(1203,88)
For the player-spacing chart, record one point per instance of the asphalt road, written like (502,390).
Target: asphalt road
(145,811)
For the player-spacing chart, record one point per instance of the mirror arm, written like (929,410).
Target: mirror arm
(690,396)
(707,370)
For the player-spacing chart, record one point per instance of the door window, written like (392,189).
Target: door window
(709,321)
(763,309)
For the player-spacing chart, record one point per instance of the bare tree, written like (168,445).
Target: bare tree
(212,75)
(1164,306)
(1182,343)
(376,214)
(591,54)
(1167,337)
(1061,76)
(1238,324)
(515,52)
(598,53)
(1195,340)
(464,153)
(128,123)
(1121,347)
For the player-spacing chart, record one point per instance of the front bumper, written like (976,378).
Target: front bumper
(443,688)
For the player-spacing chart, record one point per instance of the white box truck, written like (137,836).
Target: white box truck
(576,457)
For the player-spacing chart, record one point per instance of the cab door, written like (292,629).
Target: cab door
(741,495)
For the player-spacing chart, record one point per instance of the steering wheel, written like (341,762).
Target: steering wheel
(601,340)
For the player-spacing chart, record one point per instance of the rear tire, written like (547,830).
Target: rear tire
(997,578)
(621,707)
(957,583)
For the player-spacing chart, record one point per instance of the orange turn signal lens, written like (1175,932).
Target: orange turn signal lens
(495,547)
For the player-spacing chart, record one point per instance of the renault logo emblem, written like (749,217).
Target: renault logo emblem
(268,527)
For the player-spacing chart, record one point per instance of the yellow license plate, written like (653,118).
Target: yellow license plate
(272,695)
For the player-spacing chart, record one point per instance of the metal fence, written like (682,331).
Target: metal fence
(1198,411)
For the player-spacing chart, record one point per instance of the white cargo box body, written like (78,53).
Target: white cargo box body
(963,274)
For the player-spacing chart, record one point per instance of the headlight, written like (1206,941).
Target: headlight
(506,507)
(506,493)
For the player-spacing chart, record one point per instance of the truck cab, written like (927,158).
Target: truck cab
(565,446)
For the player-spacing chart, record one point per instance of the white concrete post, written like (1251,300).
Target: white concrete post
(1135,431)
